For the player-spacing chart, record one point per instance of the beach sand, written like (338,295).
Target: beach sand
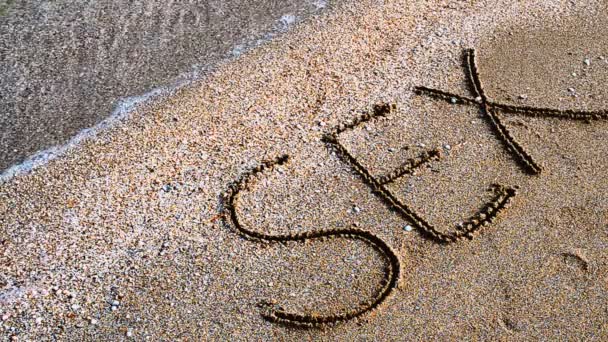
(123,237)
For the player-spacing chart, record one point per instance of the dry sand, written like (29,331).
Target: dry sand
(133,216)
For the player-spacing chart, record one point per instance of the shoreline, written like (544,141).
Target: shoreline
(43,107)
(127,105)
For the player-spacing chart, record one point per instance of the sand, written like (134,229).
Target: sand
(123,236)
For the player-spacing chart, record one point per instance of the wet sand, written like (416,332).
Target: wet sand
(123,237)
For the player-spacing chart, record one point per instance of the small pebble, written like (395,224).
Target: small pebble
(75,307)
(356,209)
(453,100)
(523,96)
(117,303)
(574,74)
(478,99)
(587,61)
(408,228)
(5,317)
(421,145)
(129,333)
(166,188)
(93,321)
(390,149)
(571,90)
(447,147)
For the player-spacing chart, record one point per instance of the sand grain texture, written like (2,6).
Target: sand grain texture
(133,215)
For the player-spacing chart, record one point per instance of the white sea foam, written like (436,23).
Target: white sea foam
(282,25)
(320,4)
(287,20)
